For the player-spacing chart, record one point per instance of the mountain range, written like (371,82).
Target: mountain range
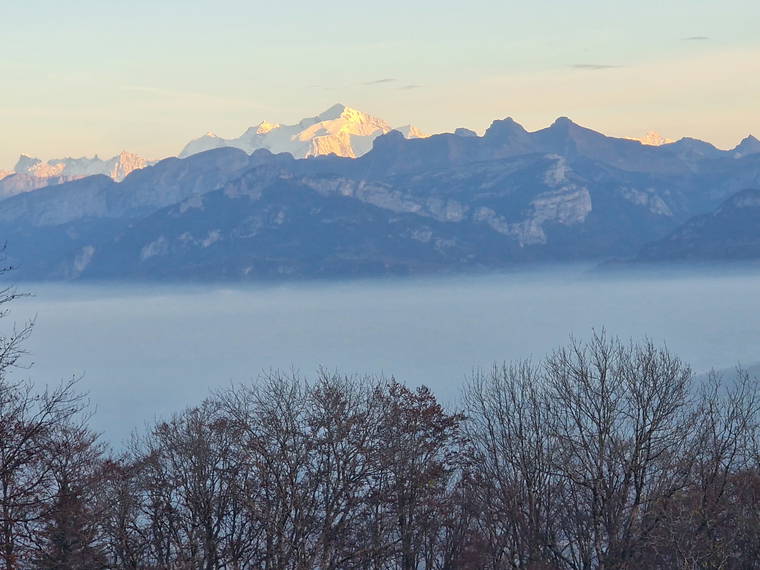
(445,203)
(339,130)
(32,173)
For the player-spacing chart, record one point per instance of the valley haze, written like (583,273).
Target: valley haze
(147,350)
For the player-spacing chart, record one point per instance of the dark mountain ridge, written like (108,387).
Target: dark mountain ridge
(449,202)
(731,233)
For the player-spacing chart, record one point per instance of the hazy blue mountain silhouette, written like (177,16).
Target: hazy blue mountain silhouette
(449,202)
(730,233)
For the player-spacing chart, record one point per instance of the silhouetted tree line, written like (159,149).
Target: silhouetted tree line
(603,455)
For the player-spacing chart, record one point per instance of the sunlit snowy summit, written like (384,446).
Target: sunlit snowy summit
(339,130)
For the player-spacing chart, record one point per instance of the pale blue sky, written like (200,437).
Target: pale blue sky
(85,76)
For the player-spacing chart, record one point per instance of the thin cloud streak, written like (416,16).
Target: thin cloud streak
(380,81)
(407,87)
(594,66)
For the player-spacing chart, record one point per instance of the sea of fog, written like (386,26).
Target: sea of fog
(146,351)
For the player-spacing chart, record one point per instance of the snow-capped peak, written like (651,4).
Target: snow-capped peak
(117,167)
(652,138)
(265,126)
(411,132)
(339,130)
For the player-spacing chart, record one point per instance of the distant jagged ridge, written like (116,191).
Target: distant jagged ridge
(117,167)
(652,138)
(445,203)
(32,173)
(340,130)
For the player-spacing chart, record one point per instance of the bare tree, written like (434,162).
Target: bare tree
(27,418)
(622,419)
(605,455)
(191,477)
(120,502)
(421,443)
(704,526)
(69,533)
(276,451)
(343,423)
(516,485)
(348,474)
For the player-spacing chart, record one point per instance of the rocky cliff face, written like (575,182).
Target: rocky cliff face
(13,183)
(124,164)
(729,233)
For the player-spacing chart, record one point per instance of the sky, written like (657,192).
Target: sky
(86,77)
